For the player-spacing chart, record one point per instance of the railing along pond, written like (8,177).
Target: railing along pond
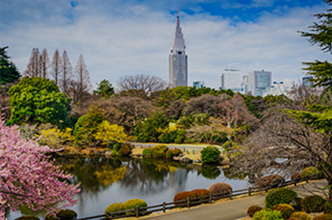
(187,202)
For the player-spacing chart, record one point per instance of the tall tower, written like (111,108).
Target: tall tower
(178,62)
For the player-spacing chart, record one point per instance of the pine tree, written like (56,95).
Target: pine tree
(8,70)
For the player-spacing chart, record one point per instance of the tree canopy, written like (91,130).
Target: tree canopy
(8,70)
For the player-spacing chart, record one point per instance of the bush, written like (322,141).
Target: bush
(252,210)
(147,152)
(328,207)
(176,152)
(210,154)
(278,196)
(217,188)
(311,173)
(169,153)
(63,214)
(295,176)
(296,203)
(267,215)
(115,207)
(28,217)
(270,181)
(285,209)
(181,196)
(313,204)
(323,217)
(191,194)
(159,151)
(198,193)
(133,203)
(124,150)
(300,216)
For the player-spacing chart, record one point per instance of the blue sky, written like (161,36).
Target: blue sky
(128,37)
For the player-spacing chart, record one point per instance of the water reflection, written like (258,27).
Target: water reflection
(108,180)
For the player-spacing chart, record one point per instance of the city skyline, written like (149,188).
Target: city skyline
(120,38)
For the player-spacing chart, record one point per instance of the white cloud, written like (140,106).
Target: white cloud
(135,39)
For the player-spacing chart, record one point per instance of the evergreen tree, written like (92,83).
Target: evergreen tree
(104,88)
(8,70)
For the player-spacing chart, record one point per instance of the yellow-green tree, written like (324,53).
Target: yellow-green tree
(109,133)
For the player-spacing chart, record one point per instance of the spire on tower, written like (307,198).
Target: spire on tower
(177,12)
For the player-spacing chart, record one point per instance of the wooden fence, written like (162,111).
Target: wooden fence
(189,202)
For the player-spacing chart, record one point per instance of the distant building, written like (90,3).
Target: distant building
(280,88)
(198,84)
(306,82)
(178,60)
(231,79)
(244,84)
(259,82)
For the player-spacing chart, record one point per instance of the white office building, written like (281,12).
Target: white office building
(231,79)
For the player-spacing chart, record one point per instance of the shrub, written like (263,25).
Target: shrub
(159,151)
(267,215)
(198,193)
(124,150)
(181,196)
(312,204)
(252,210)
(295,176)
(217,188)
(147,152)
(328,207)
(115,207)
(285,209)
(169,153)
(278,196)
(312,173)
(63,214)
(133,203)
(176,152)
(300,216)
(270,181)
(323,217)
(28,217)
(210,154)
(296,203)
(191,194)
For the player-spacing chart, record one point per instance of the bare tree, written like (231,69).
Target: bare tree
(82,78)
(44,63)
(56,67)
(146,83)
(33,69)
(66,73)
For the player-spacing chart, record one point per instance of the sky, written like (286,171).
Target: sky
(128,37)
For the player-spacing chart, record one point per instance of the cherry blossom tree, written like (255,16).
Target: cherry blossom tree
(28,177)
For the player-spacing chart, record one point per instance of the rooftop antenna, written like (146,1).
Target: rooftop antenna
(177,12)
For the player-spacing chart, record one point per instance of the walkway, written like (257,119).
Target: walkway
(236,208)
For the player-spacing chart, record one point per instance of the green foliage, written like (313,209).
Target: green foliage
(63,214)
(210,171)
(285,209)
(28,217)
(270,181)
(133,203)
(8,70)
(278,196)
(267,215)
(218,188)
(169,153)
(124,150)
(115,207)
(37,100)
(210,154)
(147,152)
(313,204)
(328,207)
(104,88)
(323,217)
(300,216)
(252,210)
(176,152)
(311,173)
(159,151)
(147,130)
(87,126)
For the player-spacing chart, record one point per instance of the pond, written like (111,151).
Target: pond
(109,180)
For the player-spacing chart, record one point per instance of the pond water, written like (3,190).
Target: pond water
(109,180)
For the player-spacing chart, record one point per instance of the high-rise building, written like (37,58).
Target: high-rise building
(198,84)
(178,61)
(259,82)
(231,79)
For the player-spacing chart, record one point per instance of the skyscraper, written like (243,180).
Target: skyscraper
(259,82)
(231,79)
(178,62)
